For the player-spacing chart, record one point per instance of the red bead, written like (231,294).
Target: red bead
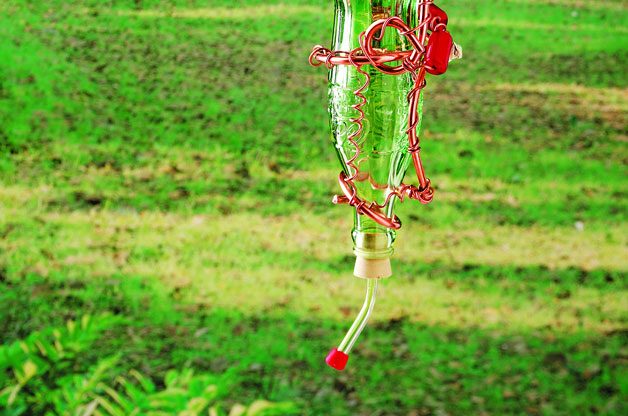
(438,52)
(437,16)
(337,359)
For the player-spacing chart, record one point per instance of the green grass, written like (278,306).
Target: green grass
(168,162)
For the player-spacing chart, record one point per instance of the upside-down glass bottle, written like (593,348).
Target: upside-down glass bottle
(383,157)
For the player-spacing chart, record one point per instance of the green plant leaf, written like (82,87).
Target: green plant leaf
(147,385)
(266,408)
(238,410)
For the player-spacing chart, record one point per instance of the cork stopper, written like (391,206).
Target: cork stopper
(372,268)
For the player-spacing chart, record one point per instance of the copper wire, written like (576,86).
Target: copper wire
(413,62)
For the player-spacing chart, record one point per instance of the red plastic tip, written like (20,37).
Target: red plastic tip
(337,359)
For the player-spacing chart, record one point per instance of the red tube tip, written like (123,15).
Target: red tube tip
(337,359)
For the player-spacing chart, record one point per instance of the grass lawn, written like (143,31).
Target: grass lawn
(167,163)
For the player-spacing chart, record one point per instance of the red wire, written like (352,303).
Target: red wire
(413,62)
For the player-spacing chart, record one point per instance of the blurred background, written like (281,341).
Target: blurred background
(167,237)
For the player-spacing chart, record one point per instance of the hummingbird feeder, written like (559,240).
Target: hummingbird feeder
(381,52)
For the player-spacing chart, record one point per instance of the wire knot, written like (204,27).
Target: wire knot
(411,65)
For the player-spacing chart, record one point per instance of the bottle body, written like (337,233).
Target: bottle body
(383,143)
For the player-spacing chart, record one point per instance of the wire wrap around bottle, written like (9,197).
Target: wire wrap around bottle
(412,61)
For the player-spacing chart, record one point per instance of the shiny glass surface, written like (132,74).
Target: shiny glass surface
(383,143)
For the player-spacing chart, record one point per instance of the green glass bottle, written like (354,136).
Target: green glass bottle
(383,144)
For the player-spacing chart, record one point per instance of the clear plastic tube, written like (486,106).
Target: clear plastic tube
(360,321)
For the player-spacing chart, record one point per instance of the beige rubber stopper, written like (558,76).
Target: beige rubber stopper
(372,268)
